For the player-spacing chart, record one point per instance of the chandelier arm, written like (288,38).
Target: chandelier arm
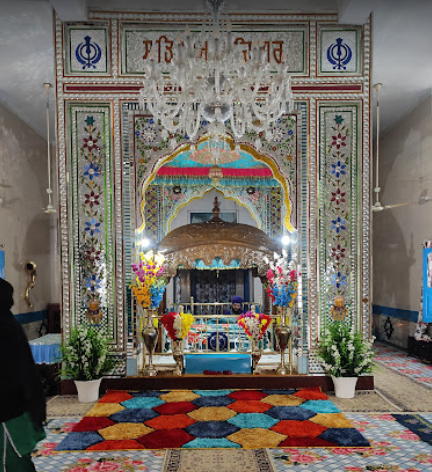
(264,112)
(257,111)
(238,132)
(166,113)
(197,123)
(161,99)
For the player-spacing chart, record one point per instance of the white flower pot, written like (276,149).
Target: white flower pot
(88,390)
(344,386)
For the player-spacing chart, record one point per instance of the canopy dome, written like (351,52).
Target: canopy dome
(217,239)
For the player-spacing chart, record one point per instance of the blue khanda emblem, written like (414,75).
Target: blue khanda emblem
(339,54)
(88,53)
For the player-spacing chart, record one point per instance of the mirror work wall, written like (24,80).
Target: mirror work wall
(120,172)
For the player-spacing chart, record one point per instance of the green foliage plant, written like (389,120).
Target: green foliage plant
(344,353)
(85,354)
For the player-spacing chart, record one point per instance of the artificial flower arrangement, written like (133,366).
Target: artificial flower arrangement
(254,324)
(85,354)
(344,353)
(177,324)
(282,281)
(150,282)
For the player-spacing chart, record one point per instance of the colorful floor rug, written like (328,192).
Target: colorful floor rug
(394,448)
(218,460)
(404,364)
(250,419)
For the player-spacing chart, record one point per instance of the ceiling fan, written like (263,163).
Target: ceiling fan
(50,207)
(378,206)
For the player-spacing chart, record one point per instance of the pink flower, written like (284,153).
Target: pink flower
(423,459)
(305,458)
(132,462)
(384,443)
(408,435)
(68,427)
(78,469)
(48,449)
(386,417)
(104,467)
(341,451)
(380,453)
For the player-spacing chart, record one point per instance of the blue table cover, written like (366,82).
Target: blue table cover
(46,350)
(236,363)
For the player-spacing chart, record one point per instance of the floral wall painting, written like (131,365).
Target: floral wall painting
(121,176)
(90,166)
(338,223)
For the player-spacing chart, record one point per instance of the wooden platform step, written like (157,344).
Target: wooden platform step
(167,381)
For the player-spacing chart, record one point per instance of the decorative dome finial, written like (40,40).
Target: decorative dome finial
(216,209)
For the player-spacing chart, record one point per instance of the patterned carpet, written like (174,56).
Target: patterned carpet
(395,448)
(197,419)
(400,442)
(404,364)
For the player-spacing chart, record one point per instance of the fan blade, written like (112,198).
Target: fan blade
(396,205)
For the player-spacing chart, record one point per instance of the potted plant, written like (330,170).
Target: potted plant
(86,361)
(345,355)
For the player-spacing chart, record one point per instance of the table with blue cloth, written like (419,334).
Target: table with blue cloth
(46,350)
(47,354)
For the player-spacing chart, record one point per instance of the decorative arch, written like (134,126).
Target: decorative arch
(261,157)
(205,192)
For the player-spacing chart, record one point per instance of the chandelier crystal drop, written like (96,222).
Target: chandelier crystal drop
(211,78)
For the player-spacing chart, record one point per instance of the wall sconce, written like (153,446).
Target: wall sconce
(30,268)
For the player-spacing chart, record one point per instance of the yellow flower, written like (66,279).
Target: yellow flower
(187,321)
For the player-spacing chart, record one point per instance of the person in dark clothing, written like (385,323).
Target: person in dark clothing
(236,309)
(22,400)
(236,306)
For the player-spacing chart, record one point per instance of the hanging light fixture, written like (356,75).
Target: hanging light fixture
(215,172)
(50,208)
(212,78)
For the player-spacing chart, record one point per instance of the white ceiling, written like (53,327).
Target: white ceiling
(402,46)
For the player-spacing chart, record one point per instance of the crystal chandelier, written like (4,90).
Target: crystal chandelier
(211,78)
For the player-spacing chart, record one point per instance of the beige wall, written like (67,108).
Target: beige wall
(406,171)
(25,230)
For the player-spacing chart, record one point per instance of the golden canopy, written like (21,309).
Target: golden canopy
(217,239)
